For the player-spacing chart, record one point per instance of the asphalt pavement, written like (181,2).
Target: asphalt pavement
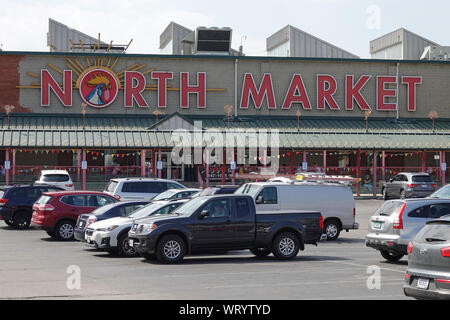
(34,266)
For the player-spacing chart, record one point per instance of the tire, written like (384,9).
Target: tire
(285,246)
(332,229)
(171,249)
(123,247)
(21,220)
(261,252)
(385,196)
(391,256)
(64,230)
(111,251)
(402,194)
(9,222)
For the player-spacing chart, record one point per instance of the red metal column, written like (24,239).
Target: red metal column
(324,161)
(13,164)
(358,173)
(142,163)
(78,164)
(424,161)
(383,165)
(442,160)
(374,174)
(153,162)
(207,170)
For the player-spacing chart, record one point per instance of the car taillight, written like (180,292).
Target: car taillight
(46,207)
(321,222)
(410,247)
(3,201)
(412,185)
(434,185)
(354,212)
(398,222)
(445,252)
(69,185)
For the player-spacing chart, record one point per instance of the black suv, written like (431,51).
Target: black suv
(16,203)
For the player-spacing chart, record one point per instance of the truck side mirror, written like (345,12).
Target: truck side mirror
(259,200)
(203,214)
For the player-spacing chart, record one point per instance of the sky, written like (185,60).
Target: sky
(348,24)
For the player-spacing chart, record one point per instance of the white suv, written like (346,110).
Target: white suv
(139,188)
(57,178)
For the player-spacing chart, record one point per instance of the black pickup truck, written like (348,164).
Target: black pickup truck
(221,223)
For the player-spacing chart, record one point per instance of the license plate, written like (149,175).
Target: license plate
(377,225)
(422,283)
(131,242)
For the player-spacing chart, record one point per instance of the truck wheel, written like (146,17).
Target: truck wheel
(171,249)
(21,220)
(261,252)
(332,229)
(64,230)
(285,246)
(51,234)
(124,248)
(391,256)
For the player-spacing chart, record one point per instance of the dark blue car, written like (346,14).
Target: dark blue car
(113,210)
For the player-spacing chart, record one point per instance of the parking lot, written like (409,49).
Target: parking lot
(35,266)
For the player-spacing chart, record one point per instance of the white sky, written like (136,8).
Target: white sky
(348,24)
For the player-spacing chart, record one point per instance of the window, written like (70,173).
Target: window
(167,209)
(75,200)
(91,201)
(438,210)
(422,179)
(269,195)
(127,210)
(111,186)
(217,208)
(421,212)
(144,187)
(103,200)
(27,193)
(55,178)
(242,207)
(171,185)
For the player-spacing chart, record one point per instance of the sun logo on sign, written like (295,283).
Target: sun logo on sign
(98,87)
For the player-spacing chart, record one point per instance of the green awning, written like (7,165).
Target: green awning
(137,132)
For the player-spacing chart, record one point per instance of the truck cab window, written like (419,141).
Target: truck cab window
(217,208)
(269,195)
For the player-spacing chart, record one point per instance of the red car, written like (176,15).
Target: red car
(57,212)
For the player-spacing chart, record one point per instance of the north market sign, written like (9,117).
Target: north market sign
(98,87)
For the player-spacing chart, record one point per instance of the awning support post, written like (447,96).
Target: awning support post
(358,173)
(374,173)
(142,163)
(6,170)
(83,171)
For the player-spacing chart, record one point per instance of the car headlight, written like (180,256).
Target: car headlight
(145,228)
(111,228)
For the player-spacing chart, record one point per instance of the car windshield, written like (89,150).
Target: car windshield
(250,189)
(111,186)
(422,179)
(164,195)
(189,207)
(147,210)
(389,207)
(442,193)
(101,210)
(207,192)
(55,177)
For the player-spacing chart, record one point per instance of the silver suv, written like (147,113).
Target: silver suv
(139,188)
(396,222)
(408,185)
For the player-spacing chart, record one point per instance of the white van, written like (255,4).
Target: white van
(335,202)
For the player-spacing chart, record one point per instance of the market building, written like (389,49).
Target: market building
(102,115)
